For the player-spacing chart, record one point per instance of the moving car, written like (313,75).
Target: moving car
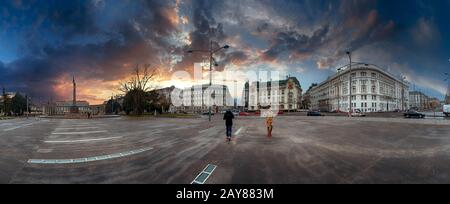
(413,114)
(446,111)
(314,113)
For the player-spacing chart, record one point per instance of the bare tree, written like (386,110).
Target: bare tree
(141,80)
(136,89)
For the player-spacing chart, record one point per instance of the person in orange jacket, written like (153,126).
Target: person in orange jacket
(269,125)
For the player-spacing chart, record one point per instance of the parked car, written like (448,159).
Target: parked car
(413,114)
(207,113)
(314,113)
(235,112)
(358,113)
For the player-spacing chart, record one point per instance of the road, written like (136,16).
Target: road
(303,150)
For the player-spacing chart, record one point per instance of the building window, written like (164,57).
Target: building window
(353,75)
(364,88)
(354,89)
(363,74)
(374,75)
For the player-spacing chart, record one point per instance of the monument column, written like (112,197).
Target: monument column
(74,108)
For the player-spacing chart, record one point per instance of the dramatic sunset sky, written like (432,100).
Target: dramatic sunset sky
(44,42)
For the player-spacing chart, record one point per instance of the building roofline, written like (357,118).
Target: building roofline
(366,66)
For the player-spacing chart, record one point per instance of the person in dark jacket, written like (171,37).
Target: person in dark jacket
(228,117)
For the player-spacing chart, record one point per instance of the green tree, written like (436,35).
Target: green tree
(19,104)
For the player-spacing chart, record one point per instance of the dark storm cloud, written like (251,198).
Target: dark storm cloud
(206,29)
(351,26)
(138,38)
(103,40)
(295,43)
(70,17)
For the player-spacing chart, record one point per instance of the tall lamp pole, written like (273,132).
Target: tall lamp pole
(447,97)
(403,93)
(211,52)
(350,80)
(26,97)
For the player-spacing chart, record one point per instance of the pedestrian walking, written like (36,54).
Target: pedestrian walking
(228,117)
(269,125)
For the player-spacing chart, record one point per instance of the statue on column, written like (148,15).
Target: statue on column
(74,108)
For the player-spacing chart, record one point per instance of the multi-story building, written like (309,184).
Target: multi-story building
(287,93)
(198,99)
(418,100)
(63,107)
(372,90)
(98,109)
(165,92)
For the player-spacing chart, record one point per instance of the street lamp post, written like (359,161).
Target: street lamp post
(447,97)
(350,80)
(211,53)
(26,97)
(403,93)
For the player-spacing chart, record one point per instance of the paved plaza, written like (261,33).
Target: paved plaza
(163,150)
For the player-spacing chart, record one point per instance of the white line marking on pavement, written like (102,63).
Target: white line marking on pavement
(238,131)
(71,128)
(84,140)
(44,150)
(80,125)
(17,127)
(205,130)
(88,159)
(78,133)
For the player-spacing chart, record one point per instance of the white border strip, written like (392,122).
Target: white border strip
(88,159)
(17,127)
